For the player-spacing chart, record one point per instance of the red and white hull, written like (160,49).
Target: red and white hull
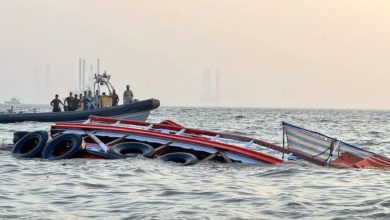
(204,144)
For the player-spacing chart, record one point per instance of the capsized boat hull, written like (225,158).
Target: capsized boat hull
(301,143)
(136,111)
(165,137)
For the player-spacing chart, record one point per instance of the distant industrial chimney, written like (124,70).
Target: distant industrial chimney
(83,84)
(216,91)
(98,66)
(211,86)
(83,77)
(80,74)
(47,78)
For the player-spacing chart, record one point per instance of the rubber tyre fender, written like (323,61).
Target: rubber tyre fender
(181,158)
(105,155)
(30,145)
(64,146)
(132,149)
(18,135)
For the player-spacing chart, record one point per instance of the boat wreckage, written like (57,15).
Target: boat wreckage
(113,138)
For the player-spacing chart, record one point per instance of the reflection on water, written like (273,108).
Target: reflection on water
(143,188)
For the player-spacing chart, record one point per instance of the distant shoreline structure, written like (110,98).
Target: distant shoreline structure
(13,101)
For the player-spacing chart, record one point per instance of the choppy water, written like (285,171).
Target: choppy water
(147,189)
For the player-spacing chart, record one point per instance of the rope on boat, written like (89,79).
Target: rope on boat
(337,147)
(330,148)
(284,142)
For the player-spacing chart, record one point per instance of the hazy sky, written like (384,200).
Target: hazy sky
(315,54)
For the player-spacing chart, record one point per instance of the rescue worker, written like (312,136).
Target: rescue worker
(115,98)
(128,95)
(80,105)
(76,102)
(70,102)
(56,104)
(96,100)
(87,100)
(85,105)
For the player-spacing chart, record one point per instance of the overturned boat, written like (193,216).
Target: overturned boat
(112,138)
(136,111)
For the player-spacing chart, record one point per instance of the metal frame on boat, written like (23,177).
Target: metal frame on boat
(327,151)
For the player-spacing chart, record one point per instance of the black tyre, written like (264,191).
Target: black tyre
(105,155)
(30,145)
(63,147)
(132,149)
(181,158)
(18,135)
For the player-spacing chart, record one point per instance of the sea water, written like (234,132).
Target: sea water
(148,189)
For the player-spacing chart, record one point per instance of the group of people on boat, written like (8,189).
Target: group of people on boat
(88,101)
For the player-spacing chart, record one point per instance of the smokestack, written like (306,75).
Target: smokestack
(38,84)
(207,85)
(98,66)
(47,78)
(80,64)
(83,77)
(216,97)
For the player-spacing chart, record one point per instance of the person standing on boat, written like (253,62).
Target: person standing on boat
(76,102)
(56,104)
(87,100)
(96,100)
(83,100)
(80,105)
(115,98)
(70,101)
(128,95)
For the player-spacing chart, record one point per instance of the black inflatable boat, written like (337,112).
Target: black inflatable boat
(136,111)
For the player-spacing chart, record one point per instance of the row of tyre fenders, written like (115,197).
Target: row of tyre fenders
(70,145)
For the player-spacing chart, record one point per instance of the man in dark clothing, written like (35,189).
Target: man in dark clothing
(70,102)
(115,98)
(75,102)
(56,104)
(88,100)
(85,101)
